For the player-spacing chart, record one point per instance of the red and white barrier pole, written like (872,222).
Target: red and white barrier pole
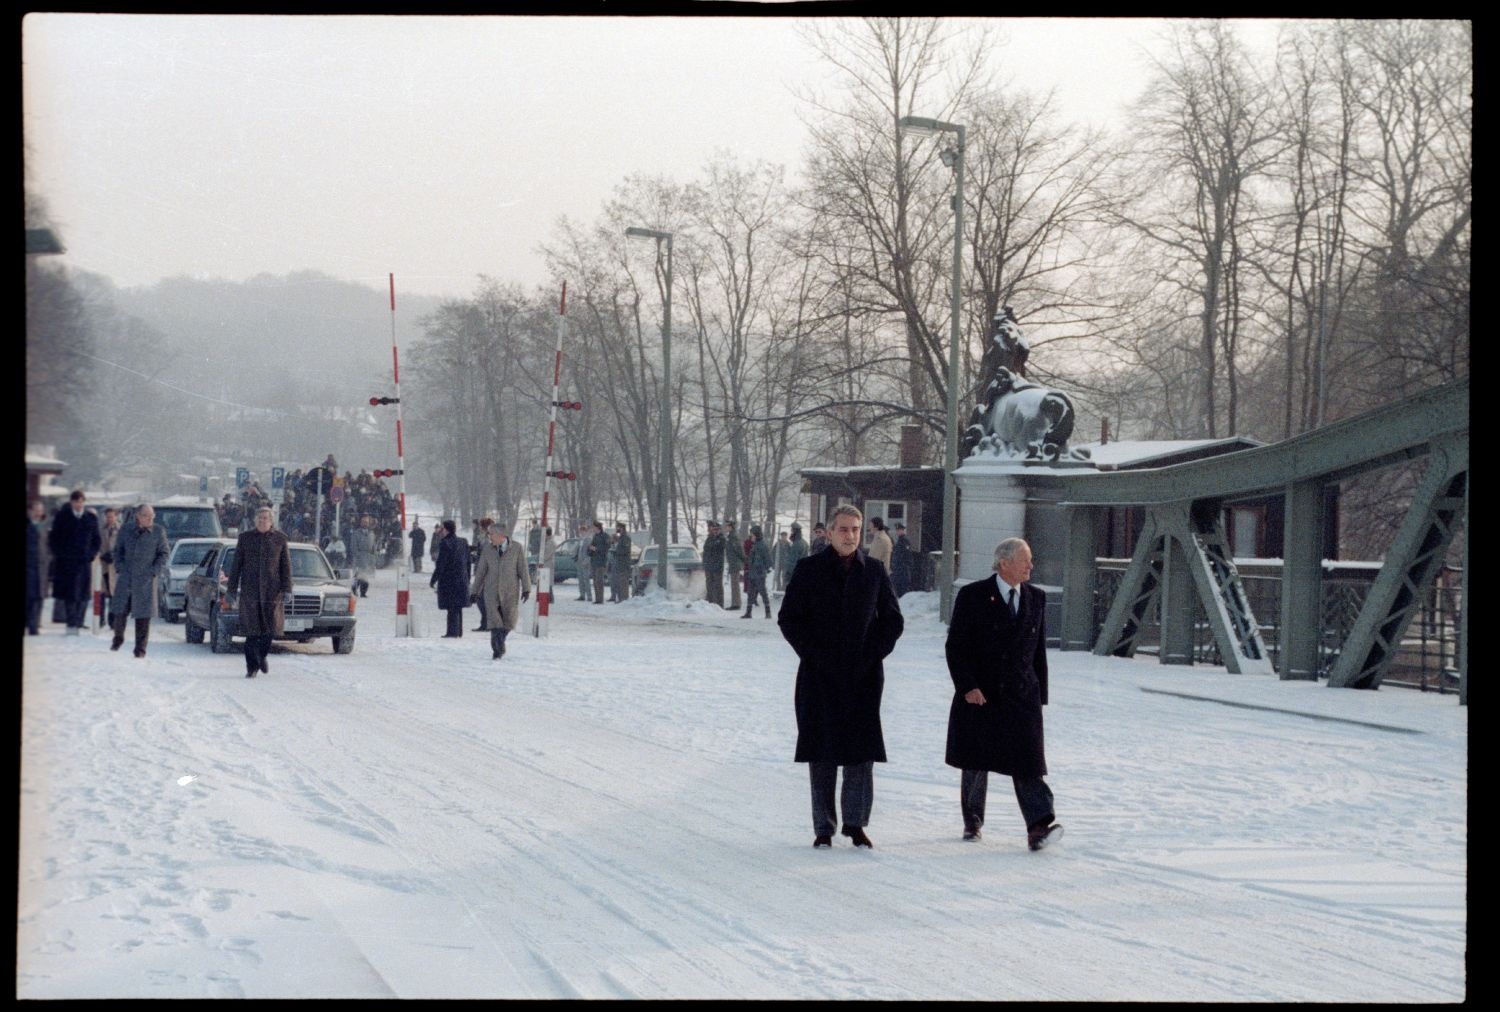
(403,570)
(544,572)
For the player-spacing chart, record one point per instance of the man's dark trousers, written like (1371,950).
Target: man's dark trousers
(856,799)
(1034,795)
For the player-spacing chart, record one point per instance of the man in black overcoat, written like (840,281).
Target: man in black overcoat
(451,578)
(841,617)
(997,657)
(260,585)
(74,542)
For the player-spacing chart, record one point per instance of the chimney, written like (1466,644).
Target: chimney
(911,446)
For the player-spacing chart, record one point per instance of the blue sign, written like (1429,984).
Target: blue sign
(278,479)
(202,484)
(241,477)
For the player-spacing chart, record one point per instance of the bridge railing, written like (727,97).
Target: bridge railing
(1427,660)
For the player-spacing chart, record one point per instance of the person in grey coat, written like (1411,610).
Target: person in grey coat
(798,550)
(362,554)
(262,569)
(757,568)
(500,573)
(581,557)
(997,657)
(140,555)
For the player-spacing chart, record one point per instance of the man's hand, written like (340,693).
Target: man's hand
(974,696)
(526,595)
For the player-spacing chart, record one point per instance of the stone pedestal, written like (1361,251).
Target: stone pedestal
(993,509)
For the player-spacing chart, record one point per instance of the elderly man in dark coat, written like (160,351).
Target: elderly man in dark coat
(841,617)
(74,543)
(997,657)
(262,569)
(451,578)
(140,555)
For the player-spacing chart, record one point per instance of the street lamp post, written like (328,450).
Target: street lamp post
(954,159)
(664,466)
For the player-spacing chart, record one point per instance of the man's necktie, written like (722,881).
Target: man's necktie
(1013,601)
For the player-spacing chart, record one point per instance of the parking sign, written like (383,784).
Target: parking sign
(241,478)
(278,479)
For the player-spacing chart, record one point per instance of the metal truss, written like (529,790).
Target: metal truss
(1411,565)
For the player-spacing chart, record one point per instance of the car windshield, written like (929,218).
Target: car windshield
(675,553)
(188,523)
(190,553)
(308,564)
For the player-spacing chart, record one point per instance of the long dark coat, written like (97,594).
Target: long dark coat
(140,556)
(713,553)
(1005,657)
(451,574)
(261,573)
(36,560)
(73,542)
(842,629)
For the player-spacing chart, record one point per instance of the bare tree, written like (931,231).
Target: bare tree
(1210,135)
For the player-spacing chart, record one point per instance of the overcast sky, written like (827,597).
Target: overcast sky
(435,148)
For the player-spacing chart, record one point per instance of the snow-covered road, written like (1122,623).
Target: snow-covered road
(613,811)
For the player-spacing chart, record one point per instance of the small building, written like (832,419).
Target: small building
(909,493)
(42,470)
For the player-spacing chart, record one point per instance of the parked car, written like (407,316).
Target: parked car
(564,565)
(180,520)
(187,555)
(320,606)
(684,565)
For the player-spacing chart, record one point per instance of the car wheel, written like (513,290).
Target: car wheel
(344,643)
(174,616)
(219,640)
(192,631)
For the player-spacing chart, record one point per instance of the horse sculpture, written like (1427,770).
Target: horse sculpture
(1018,418)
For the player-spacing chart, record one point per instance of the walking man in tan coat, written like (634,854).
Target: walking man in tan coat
(501,582)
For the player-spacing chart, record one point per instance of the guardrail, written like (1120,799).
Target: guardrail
(1428,656)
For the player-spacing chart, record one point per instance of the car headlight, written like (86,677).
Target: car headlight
(338,604)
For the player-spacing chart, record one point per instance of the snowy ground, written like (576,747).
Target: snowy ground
(613,811)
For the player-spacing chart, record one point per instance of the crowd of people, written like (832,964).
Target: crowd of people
(367,505)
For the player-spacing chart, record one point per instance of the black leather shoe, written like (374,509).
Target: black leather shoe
(265,669)
(823,841)
(1038,838)
(972,834)
(856,835)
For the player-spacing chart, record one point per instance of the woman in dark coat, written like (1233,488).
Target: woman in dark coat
(841,617)
(140,555)
(451,578)
(261,577)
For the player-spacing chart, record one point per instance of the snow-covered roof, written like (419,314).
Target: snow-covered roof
(43,458)
(1143,452)
(833,472)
